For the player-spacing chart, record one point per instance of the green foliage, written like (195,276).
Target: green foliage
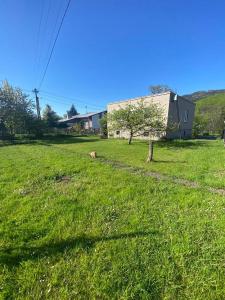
(135,119)
(103,126)
(71,230)
(210,114)
(199,125)
(72,112)
(50,117)
(77,128)
(16,110)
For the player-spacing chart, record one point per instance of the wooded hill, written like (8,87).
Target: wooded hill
(210,112)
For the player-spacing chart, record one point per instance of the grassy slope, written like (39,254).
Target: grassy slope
(210,101)
(105,233)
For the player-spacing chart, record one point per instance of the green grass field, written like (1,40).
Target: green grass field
(76,228)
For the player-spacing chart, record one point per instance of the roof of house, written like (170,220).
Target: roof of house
(149,96)
(140,97)
(83,116)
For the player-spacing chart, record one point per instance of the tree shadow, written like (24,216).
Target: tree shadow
(49,140)
(7,143)
(170,161)
(182,144)
(70,139)
(12,257)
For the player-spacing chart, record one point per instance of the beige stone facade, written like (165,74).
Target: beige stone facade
(177,109)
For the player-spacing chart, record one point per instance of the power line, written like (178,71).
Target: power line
(53,47)
(55,26)
(72,102)
(48,100)
(72,99)
(38,40)
(42,29)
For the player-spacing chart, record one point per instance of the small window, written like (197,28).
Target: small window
(146,133)
(185,116)
(117,132)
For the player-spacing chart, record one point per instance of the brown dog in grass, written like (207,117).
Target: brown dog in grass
(93,154)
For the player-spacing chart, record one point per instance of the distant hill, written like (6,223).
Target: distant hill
(210,102)
(209,111)
(210,114)
(202,94)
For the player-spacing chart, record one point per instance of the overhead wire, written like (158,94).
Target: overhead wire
(38,41)
(41,28)
(72,99)
(50,99)
(55,25)
(54,44)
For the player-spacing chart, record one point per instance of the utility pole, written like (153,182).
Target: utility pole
(35,91)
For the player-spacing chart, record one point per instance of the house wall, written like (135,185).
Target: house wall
(162,100)
(181,112)
(174,112)
(87,123)
(95,122)
(91,122)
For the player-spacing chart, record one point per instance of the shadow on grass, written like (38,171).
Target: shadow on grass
(49,140)
(104,159)
(14,256)
(182,144)
(70,139)
(169,161)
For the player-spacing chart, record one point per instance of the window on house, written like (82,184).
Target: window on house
(185,116)
(117,132)
(146,133)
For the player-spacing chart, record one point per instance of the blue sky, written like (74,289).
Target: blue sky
(112,49)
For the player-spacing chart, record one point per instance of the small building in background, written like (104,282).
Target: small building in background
(178,110)
(89,121)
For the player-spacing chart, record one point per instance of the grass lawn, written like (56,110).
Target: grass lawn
(76,228)
(198,160)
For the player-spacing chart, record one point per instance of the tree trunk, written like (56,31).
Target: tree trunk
(130,139)
(150,151)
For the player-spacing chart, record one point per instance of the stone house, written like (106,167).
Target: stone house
(178,110)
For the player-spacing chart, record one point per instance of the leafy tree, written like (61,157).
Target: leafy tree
(103,126)
(77,128)
(139,119)
(199,125)
(129,118)
(209,119)
(16,109)
(160,88)
(50,117)
(3,130)
(72,111)
(37,127)
(155,124)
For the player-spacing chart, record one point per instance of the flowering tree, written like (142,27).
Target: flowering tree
(137,119)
